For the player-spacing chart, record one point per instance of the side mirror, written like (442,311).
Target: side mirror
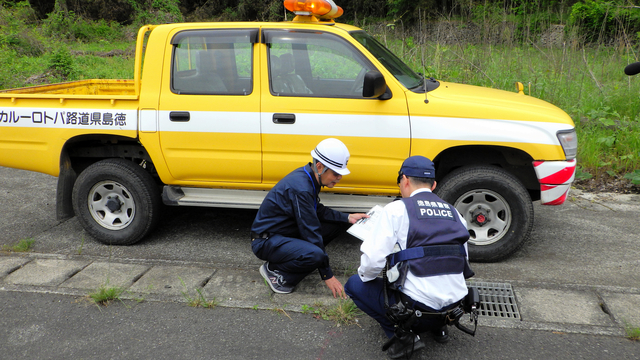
(374,85)
(631,69)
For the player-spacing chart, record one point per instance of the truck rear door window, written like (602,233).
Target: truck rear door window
(213,62)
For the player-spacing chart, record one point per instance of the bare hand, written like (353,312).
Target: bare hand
(336,287)
(355,217)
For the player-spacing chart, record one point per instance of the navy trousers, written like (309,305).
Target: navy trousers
(369,297)
(296,258)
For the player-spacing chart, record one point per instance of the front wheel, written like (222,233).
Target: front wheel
(496,206)
(116,201)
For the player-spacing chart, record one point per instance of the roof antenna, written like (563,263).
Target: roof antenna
(424,80)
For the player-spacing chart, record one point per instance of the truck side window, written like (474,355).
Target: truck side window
(213,62)
(314,64)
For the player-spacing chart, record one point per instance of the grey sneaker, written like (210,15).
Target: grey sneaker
(275,280)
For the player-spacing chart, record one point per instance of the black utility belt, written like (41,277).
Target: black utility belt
(450,315)
(264,235)
(408,301)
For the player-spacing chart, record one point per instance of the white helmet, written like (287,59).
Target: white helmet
(333,154)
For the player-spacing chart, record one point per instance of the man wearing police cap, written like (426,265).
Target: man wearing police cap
(292,227)
(421,240)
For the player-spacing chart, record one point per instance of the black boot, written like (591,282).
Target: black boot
(441,335)
(404,346)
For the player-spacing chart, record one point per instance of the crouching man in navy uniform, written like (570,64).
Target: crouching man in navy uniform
(292,227)
(422,241)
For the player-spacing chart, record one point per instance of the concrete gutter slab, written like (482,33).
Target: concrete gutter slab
(172,280)
(311,291)
(45,272)
(246,289)
(10,264)
(106,273)
(239,287)
(562,306)
(624,308)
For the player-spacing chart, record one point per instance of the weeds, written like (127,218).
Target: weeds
(81,246)
(281,311)
(633,332)
(634,177)
(345,312)
(587,82)
(61,63)
(351,270)
(266,284)
(306,309)
(581,174)
(199,300)
(23,245)
(105,294)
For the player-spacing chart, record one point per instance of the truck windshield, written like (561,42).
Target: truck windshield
(399,69)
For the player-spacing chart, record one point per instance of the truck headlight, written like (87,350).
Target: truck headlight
(569,142)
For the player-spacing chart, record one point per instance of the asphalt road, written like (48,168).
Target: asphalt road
(590,241)
(37,326)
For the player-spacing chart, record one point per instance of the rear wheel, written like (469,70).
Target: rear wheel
(116,201)
(496,206)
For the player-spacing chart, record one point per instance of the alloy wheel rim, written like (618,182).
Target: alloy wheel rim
(487,213)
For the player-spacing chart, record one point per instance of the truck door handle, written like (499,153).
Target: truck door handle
(284,118)
(181,116)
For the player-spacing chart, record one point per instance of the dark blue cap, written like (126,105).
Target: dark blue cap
(418,166)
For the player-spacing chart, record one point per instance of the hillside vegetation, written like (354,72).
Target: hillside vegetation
(569,53)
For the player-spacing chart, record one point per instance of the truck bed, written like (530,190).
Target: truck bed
(103,87)
(37,121)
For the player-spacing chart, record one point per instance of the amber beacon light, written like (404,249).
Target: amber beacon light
(322,9)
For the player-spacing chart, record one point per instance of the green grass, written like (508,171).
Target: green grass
(633,332)
(104,46)
(79,251)
(351,269)
(23,245)
(281,311)
(96,67)
(105,294)
(634,177)
(15,70)
(345,312)
(199,299)
(586,82)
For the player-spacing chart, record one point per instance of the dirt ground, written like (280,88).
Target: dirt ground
(607,183)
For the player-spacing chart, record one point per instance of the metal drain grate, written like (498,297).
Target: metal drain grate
(497,300)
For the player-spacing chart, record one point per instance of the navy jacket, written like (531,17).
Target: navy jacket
(292,209)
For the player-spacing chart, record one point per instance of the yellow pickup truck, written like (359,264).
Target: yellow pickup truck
(219,112)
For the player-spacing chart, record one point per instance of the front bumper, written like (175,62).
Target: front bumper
(555,179)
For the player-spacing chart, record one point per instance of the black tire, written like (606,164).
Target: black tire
(116,201)
(496,206)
